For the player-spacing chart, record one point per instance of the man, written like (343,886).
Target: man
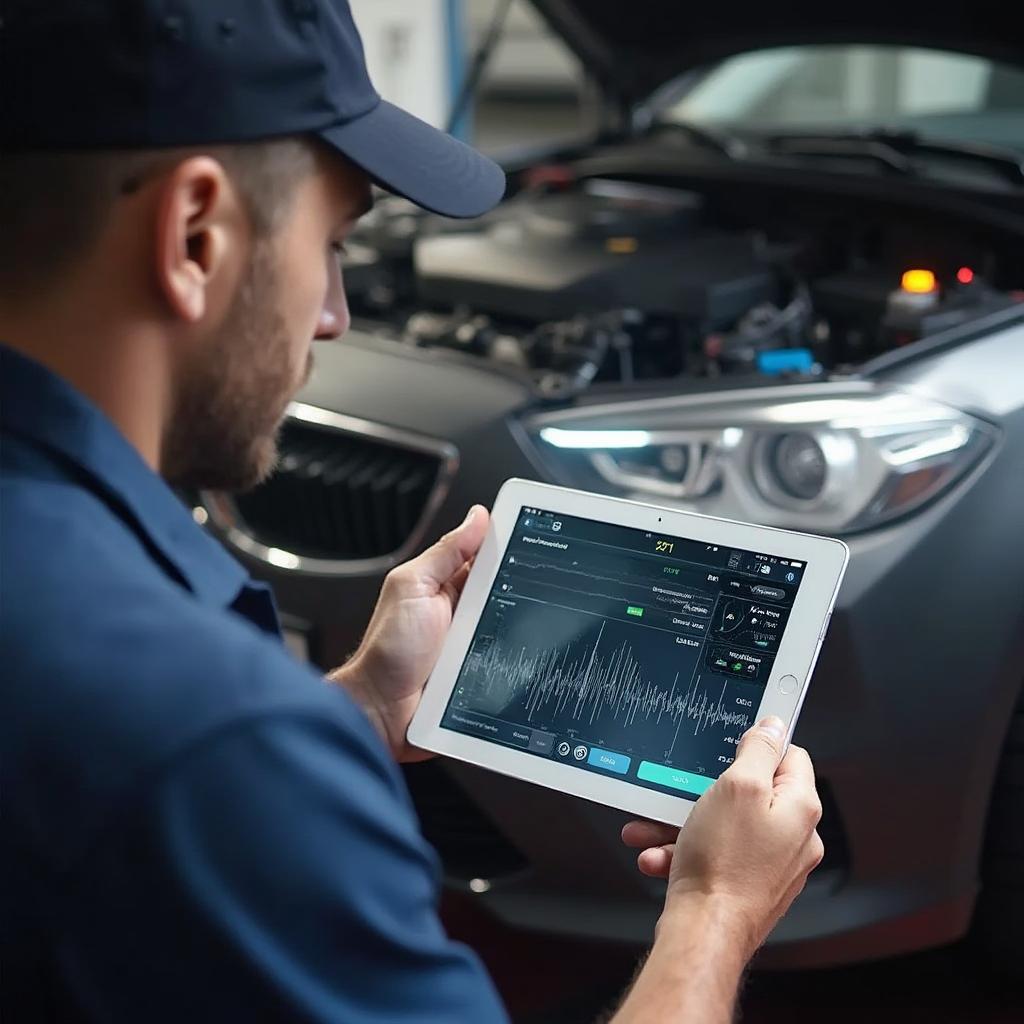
(196,826)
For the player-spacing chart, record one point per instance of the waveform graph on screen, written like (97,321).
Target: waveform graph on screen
(571,672)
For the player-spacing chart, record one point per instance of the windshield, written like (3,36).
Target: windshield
(943,96)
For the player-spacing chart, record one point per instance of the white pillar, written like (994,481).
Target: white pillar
(408,51)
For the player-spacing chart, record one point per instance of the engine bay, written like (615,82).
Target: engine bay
(574,282)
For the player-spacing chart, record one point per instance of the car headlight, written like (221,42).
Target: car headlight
(825,457)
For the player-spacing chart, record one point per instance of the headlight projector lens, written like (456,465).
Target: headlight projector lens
(798,465)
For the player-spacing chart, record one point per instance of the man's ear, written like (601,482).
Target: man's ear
(200,231)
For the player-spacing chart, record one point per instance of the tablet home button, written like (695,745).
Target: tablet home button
(787,684)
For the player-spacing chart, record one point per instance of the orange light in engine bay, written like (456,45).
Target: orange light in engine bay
(918,282)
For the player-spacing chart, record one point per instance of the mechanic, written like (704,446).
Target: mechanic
(196,825)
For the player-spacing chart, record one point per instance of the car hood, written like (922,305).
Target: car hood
(633,48)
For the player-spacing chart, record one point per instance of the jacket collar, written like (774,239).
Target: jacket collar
(40,406)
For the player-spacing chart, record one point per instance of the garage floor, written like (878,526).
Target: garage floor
(548,980)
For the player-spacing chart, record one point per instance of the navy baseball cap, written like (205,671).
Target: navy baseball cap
(90,74)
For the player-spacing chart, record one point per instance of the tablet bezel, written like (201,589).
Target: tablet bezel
(824,561)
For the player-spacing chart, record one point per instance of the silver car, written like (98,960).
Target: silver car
(790,267)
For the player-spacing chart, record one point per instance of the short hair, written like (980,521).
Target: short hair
(53,205)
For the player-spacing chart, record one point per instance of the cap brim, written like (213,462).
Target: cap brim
(411,158)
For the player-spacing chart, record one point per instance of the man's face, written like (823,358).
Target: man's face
(233,396)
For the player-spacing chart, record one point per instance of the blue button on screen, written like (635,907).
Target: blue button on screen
(610,762)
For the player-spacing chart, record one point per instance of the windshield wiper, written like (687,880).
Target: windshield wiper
(717,139)
(896,150)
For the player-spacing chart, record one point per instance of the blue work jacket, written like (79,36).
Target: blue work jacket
(195,826)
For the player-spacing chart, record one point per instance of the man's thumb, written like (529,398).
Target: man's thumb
(441,562)
(760,748)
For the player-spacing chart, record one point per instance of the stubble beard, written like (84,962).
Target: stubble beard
(224,432)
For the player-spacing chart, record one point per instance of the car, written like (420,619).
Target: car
(784,283)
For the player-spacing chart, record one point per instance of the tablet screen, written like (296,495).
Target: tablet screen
(623,652)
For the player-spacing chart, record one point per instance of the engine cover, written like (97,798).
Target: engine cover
(610,246)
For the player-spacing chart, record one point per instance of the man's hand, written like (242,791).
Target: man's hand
(749,842)
(387,673)
(733,870)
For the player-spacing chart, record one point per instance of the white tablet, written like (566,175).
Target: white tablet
(618,651)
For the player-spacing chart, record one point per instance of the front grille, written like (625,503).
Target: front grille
(336,495)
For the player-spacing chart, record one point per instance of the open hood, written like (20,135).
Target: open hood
(632,47)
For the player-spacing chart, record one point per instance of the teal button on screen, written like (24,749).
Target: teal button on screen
(673,778)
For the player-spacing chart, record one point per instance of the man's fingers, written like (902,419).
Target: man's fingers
(794,787)
(656,843)
(642,834)
(760,750)
(796,769)
(655,862)
(459,579)
(438,564)
(453,588)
